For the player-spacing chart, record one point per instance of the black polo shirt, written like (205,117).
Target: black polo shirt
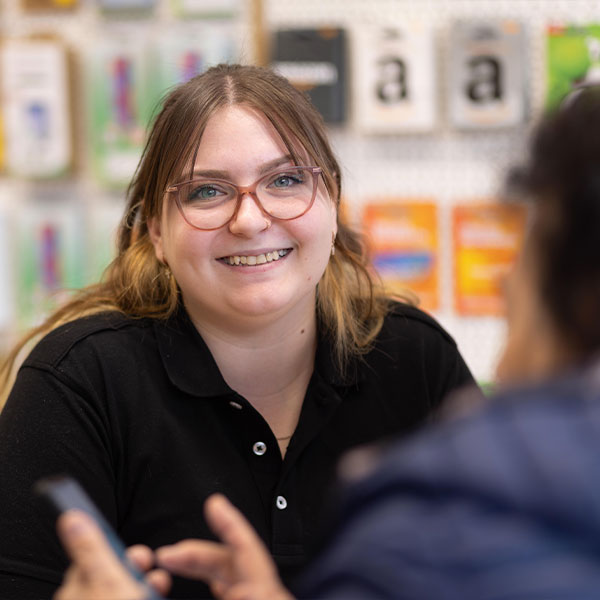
(138,412)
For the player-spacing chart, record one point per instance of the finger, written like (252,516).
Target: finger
(230,525)
(242,592)
(141,556)
(86,545)
(247,548)
(245,591)
(71,581)
(219,589)
(160,580)
(195,558)
(253,572)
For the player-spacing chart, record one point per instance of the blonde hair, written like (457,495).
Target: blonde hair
(350,303)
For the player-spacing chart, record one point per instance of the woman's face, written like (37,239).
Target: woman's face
(240,144)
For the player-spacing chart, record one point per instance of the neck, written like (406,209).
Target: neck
(269,365)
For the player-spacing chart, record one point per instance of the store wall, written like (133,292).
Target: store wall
(443,164)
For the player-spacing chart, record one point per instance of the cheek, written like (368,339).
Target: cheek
(332,213)
(317,237)
(317,244)
(181,245)
(513,361)
(322,223)
(520,351)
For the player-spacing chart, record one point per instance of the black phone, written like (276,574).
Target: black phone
(65,493)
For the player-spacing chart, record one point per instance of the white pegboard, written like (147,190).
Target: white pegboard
(445,165)
(77,30)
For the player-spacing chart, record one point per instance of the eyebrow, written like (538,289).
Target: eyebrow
(265,168)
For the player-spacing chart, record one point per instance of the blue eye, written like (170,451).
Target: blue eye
(204,192)
(284,181)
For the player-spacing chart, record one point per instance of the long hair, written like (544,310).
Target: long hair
(350,303)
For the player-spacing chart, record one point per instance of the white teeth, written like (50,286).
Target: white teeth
(260,259)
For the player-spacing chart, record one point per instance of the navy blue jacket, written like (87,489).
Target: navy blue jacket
(503,504)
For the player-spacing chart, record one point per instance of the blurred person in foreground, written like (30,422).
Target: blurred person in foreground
(503,502)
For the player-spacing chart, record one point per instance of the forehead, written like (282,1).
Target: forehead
(241,135)
(235,122)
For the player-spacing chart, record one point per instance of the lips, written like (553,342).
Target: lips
(250,260)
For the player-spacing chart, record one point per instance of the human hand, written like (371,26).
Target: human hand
(96,573)
(239,569)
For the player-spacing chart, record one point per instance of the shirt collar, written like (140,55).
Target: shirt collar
(186,357)
(191,367)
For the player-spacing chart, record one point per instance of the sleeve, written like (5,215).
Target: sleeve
(49,426)
(444,369)
(454,373)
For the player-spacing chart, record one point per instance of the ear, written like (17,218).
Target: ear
(154,230)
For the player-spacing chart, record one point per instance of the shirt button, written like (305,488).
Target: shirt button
(235,405)
(259,448)
(281,503)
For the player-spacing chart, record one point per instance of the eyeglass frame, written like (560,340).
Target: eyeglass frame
(247,190)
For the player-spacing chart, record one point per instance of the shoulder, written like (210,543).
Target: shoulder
(531,449)
(526,444)
(416,357)
(408,324)
(112,328)
(513,482)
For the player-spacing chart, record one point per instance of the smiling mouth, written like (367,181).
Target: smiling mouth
(253,260)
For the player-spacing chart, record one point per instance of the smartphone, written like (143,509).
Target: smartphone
(65,493)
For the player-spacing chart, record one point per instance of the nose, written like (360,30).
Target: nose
(249,218)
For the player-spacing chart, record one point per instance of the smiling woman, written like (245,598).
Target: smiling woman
(296,222)
(237,344)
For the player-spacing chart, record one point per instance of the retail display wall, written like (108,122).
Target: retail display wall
(450,165)
(427,101)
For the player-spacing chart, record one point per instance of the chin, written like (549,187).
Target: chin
(257,308)
(272,305)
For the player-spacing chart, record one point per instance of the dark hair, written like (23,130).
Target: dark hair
(563,179)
